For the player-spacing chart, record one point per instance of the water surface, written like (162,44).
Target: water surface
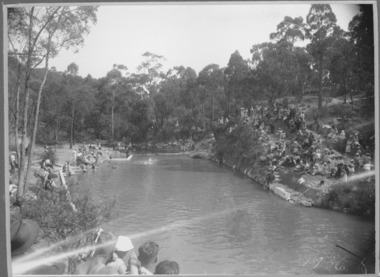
(212,221)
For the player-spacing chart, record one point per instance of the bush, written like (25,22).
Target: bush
(357,197)
(241,146)
(54,213)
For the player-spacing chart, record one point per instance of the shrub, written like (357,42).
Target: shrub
(241,146)
(54,213)
(357,197)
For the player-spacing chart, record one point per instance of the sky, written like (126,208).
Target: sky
(188,34)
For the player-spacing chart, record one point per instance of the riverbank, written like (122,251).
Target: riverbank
(240,149)
(68,220)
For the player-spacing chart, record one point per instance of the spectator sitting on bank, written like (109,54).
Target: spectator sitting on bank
(46,163)
(333,172)
(317,155)
(49,180)
(289,161)
(325,168)
(342,135)
(348,146)
(66,169)
(305,166)
(367,166)
(358,162)
(12,189)
(148,257)
(167,267)
(317,170)
(332,133)
(344,176)
(292,126)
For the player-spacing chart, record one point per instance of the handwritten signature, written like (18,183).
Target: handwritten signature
(329,263)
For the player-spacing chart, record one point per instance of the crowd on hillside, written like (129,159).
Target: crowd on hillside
(108,257)
(305,151)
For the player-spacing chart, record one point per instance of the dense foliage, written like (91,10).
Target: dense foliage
(54,213)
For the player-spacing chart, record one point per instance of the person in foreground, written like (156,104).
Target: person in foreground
(148,257)
(119,259)
(167,267)
(124,258)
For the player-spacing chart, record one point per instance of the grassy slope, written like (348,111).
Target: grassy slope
(240,149)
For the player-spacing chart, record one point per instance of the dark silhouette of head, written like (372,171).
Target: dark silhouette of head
(148,253)
(167,267)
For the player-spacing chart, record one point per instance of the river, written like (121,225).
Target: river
(213,221)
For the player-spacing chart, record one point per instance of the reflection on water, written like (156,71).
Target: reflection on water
(212,221)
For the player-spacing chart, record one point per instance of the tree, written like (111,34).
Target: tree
(341,62)
(290,29)
(235,76)
(188,115)
(115,83)
(211,81)
(321,22)
(362,36)
(150,74)
(47,30)
(277,68)
(79,100)
(53,119)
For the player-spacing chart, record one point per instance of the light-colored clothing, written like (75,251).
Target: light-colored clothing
(119,266)
(144,271)
(348,147)
(367,167)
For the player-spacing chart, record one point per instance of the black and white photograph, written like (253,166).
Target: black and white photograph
(191,138)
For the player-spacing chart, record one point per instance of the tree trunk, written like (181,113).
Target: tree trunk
(21,174)
(344,90)
(212,109)
(17,112)
(351,97)
(300,97)
(320,86)
(56,132)
(34,134)
(112,115)
(72,126)
(228,102)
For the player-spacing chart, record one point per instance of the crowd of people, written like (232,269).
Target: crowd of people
(305,151)
(87,156)
(115,258)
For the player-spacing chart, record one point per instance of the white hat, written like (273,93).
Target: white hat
(123,244)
